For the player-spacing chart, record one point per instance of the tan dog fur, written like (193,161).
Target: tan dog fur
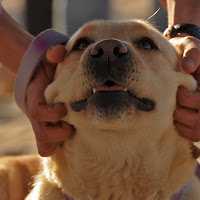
(135,156)
(17,176)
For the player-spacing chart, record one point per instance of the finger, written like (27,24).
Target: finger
(189,133)
(55,54)
(43,112)
(191,54)
(196,75)
(47,145)
(51,134)
(45,72)
(38,110)
(43,75)
(47,149)
(27,109)
(188,99)
(36,105)
(187,117)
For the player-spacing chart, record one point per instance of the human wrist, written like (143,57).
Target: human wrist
(193,19)
(182,30)
(183,12)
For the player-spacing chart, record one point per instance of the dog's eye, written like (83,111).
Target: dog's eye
(81,44)
(147,44)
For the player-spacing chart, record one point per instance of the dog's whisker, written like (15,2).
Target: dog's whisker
(155,13)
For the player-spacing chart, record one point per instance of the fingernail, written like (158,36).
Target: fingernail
(189,63)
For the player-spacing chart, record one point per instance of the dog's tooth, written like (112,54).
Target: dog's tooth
(125,89)
(94,90)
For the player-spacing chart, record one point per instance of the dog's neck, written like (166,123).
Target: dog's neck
(114,168)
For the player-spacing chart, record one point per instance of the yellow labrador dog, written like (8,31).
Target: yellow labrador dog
(119,82)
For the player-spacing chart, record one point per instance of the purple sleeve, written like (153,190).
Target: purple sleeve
(31,59)
(178,195)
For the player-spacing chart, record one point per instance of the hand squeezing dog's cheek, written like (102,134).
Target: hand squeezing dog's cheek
(187,81)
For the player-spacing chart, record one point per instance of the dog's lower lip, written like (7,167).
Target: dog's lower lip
(78,106)
(142,104)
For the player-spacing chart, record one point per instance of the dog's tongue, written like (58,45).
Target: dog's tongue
(109,88)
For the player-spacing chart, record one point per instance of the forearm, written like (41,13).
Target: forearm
(182,11)
(14,40)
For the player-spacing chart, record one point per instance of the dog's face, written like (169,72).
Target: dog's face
(118,75)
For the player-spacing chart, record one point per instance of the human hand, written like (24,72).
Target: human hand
(48,137)
(187,114)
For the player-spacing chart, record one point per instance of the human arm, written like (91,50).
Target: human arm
(14,41)
(182,11)
(187,121)
(48,136)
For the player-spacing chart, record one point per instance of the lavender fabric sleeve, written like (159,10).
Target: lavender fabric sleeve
(31,60)
(179,194)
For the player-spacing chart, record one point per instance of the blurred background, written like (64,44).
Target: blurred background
(16,136)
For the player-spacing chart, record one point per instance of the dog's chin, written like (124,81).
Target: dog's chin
(113,104)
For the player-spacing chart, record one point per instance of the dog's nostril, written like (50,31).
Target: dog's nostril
(120,50)
(96,52)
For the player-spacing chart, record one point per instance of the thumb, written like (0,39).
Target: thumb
(191,58)
(55,54)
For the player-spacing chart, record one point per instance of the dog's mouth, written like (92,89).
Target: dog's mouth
(111,95)
(109,86)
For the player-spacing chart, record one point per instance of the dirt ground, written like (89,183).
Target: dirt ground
(16,135)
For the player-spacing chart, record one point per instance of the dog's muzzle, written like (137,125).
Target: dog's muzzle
(109,64)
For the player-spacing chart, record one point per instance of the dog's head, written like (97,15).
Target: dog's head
(118,75)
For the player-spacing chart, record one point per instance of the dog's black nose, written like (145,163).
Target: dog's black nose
(109,59)
(110,49)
